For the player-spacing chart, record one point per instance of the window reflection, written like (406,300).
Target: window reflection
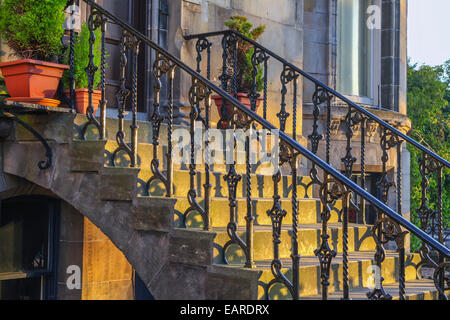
(355,49)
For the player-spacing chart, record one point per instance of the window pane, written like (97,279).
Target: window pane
(355,49)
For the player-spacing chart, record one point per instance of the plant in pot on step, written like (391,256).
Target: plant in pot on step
(33,30)
(244,68)
(81,61)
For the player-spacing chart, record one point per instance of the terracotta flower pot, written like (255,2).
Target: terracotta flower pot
(242,97)
(82,99)
(29,78)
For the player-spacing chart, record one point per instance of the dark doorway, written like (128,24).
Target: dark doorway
(28,247)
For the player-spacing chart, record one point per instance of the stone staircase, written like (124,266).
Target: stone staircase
(361,243)
(187,263)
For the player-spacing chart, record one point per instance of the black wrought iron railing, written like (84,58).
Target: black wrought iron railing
(333,186)
(356,117)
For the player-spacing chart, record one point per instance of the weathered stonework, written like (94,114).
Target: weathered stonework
(141,228)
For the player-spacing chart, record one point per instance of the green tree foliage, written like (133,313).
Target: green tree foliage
(245,53)
(81,58)
(429,111)
(33,28)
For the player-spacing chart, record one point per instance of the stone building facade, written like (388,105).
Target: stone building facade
(357,47)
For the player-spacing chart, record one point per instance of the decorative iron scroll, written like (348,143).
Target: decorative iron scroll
(44,164)
(276,215)
(96,20)
(197,93)
(161,66)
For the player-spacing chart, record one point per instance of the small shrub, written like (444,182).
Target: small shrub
(33,28)
(245,52)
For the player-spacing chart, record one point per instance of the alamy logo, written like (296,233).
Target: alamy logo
(374,280)
(74,279)
(374,19)
(216,146)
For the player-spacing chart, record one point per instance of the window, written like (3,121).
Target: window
(355,49)
(28,237)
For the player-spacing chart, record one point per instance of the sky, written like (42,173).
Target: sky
(429,31)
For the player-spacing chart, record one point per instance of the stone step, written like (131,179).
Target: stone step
(309,212)
(359,269)
(118,184)
(415,290)
(153,214)
(359,239)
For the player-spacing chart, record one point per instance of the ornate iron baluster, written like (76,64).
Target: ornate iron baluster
(202,45)
(277,214)
(320,96)
(287,75)
(233,178)
(324,253)
(197,93)
(385,229)
(400,244)
(294,107)
(265,90)
(234,44)
(208,62)
(352,119)
(258,57)
(287,155)
(229,42)
(95,21)
(207,186)
(349,159)
(128,42)
(362,207)
(170,79)
(328,132)
(160,67)
(240,120)
(249,218)
(133,44)
(103,101)
(431,221)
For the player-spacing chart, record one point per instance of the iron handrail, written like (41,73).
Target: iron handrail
(327,88)
(283,136)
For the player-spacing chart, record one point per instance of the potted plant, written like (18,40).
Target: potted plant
(244,66)
(33,30)
(81,61)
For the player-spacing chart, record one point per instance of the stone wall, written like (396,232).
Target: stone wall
(394,55)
